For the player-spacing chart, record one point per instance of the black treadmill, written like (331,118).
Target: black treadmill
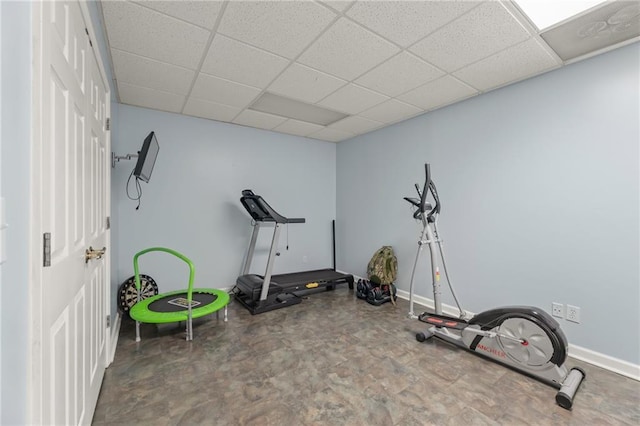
(265,293)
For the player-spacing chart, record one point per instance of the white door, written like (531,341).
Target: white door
(70,202)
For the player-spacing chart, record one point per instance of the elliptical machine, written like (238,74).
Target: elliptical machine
(524,338)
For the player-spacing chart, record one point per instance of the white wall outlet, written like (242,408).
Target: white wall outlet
(573,313)
(305,259)
(557,310)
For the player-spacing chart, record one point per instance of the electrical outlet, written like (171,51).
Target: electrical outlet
(573,313)
(557,310)
(305,259)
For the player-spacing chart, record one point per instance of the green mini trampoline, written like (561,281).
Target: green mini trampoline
(176,306)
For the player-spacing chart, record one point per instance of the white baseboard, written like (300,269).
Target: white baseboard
(607,362)
(115,332)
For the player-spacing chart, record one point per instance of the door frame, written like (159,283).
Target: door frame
(35,277)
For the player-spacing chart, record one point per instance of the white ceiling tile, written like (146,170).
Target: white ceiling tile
(347,50)
(201,13)
(390,111)
(282,27)
(142,31)
(405,22)
(221,91)
(510,65)
(482,32)
(440,92)
(399,74)
(331,135)
(149,98)
(258,119)
(211,110)
(140,71)
(356,125)
(347,56)
(339,5)
(352,99)
(240,62)
(305,84)
(296,127)
(600,28)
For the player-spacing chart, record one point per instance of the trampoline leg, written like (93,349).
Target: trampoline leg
(189,327)
(137,331)
(225,313)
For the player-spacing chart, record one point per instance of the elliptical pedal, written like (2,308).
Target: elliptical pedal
(443,321)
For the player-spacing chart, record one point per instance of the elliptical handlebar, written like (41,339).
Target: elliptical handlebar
(421,204)
(425,189)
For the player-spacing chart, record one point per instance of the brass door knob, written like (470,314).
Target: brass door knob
(90,253)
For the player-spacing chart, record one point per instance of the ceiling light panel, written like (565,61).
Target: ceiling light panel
(137,29)
(405,22)
(544,13)
(278,105)
(480,33)
(347,50)
(239,62)
(281,27)
(603,27)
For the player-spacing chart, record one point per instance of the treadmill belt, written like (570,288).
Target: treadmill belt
(319,275)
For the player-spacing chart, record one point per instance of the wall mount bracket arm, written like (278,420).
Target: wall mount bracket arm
(115,158)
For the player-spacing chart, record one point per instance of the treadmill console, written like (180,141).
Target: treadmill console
(261,211)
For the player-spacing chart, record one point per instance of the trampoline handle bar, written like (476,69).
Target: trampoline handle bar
(170,251)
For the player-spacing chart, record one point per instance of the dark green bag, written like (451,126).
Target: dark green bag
(383,266)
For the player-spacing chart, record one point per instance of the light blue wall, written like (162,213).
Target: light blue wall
(539,183)
(16,131)
(192,202)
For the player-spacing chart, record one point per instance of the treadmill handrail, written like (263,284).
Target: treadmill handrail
(261,211)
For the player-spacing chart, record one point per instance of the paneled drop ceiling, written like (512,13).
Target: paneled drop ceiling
(374,63)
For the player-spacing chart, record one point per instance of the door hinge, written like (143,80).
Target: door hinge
(108,222)
(87,31)
(108,321)
(107,124)
(46,249)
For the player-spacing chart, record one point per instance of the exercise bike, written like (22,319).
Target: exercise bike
(523,338)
